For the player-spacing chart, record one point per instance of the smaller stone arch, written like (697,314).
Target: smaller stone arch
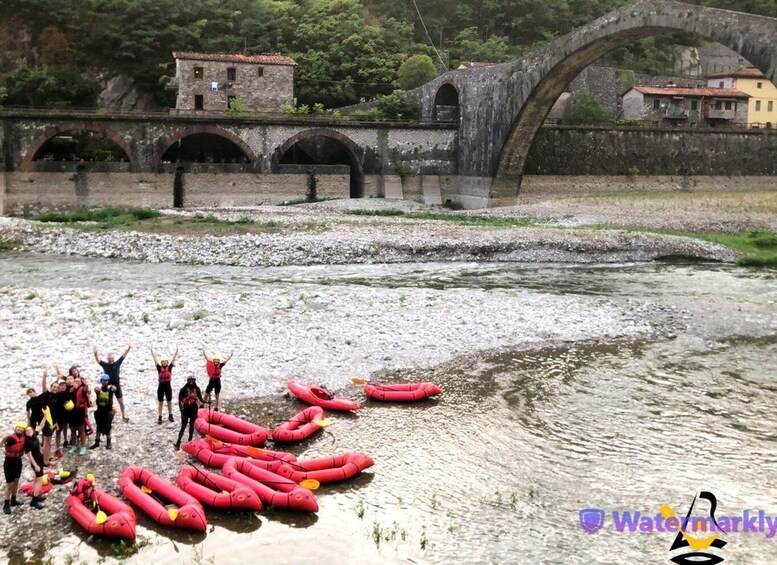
(167,141)
(52,132)
(355,151)
(446,104)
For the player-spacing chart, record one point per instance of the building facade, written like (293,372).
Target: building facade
(208,82)
(762,106)
(675,106)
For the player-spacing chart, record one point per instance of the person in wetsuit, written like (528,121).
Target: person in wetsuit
(12,465)
(103,415)
(33,450)
(164,391)
(189,398)
(213,366)
(112,367)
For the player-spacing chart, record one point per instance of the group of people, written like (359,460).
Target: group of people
(60,412)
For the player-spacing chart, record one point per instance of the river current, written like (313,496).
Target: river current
(498,468)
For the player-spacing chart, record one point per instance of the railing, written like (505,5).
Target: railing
(656,125)
(333,117)
(171,83)
(719,114)
(677,113)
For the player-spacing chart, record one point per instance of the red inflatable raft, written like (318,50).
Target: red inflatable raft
(318,396)
(402,393)
(274,490)
(300,427)
(217,490)
(229,428)
(324,470)
(120,521)
(53,478)
(166,504)
(216,455)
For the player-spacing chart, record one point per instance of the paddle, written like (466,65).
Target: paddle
(100,517)
(360,381)
(172,513)
(321,423)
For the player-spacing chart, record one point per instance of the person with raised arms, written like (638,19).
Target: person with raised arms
(164,391)
(12,466)
(103,415)
(213,366)
(112,367)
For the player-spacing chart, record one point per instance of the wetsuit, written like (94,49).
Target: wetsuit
(14,450)
(81,400)
(103,416)
(164,390)
(188,397)
(35,409)
(113,370)
(51,404)
(63,416)
(32,445)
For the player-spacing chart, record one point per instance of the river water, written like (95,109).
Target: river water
(497,469)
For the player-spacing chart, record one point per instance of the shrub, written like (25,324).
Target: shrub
(397,106)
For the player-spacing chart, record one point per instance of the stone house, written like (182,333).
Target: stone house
(762,106)
(684,106)
(209,81)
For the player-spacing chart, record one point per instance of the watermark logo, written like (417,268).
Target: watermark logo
(683,540)
(591,519)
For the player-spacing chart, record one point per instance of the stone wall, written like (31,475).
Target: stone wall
(601,151)
(571,185)
(32,193)
(269,91)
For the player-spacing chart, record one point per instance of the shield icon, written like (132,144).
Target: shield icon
(591,519)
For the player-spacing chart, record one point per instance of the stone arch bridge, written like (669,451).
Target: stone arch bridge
(471,144)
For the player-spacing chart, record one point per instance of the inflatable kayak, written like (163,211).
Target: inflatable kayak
(402,393)
(84,504)
(229,428)
(166,504)
(217,490)
(300,426)
(324,470)
(216,455)
(50,479)
(273,490)
(319,396)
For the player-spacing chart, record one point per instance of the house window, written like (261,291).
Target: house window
(718,105)
(231,73)
(656,104)
(198,72)
(760,85)
(260,71)
(721,84)
(757,105)
(770,106)
(198,104)
(694,104)
(728,105)
(230,98)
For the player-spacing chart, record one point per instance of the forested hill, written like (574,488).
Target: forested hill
(54,51)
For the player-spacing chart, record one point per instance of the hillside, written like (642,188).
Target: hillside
(116,53)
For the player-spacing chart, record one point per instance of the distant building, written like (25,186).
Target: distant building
(209,81)
(672,105)
(762,107)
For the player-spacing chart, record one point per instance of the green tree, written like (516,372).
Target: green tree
(236,108)
(52,86)
(587,110)
(397,106)
(471,48)
(3,94)
(415,71)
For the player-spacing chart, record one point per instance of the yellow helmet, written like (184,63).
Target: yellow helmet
(164,360)
(216,358)
(69,405)
(20,424)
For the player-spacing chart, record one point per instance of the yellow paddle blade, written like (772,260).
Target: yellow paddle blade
(255,451)
(322,423)
(145,489)
(213,441)
(173,513)
(225,492)
(179,455)
(63,473)
(44,480)
(360,381)
(265,420)
(90,478)
(310,484)
(101,517)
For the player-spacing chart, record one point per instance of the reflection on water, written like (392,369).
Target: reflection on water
(496,470)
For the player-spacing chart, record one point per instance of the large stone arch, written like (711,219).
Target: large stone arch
(355,151)
(167,141)
(503,106)
(54,131)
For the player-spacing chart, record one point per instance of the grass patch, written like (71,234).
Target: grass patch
(375,212)
(99,215)
(303,200)
(756,248)
(468,220)
(7,245)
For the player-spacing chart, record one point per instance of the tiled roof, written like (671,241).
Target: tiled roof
(742,72)
(691,91)
(261,58)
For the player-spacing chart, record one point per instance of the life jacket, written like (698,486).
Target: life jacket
(86,488)
(104,397)
(16,449)
(190,399)
(82,397)
(165,374)
(213,370)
